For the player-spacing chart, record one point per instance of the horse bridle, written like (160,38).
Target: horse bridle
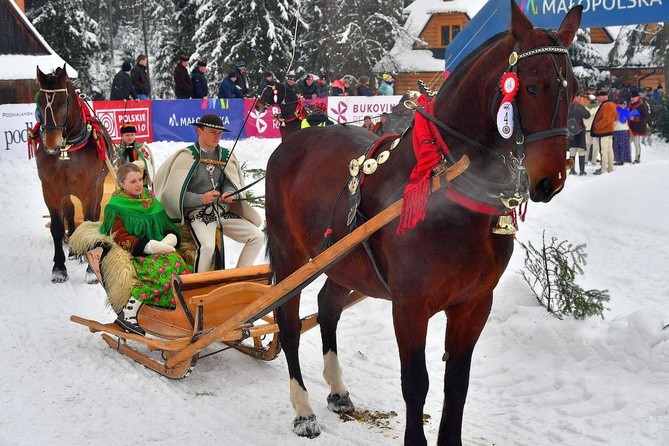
(67,141)
(508,195)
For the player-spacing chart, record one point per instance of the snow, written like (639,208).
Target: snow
(535,380)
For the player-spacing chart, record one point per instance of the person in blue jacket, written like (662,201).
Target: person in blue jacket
(228,88)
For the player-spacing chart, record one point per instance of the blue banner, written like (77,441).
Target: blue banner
(171,119)
(495,17)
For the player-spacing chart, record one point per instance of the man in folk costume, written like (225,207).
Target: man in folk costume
(196,186)
(132,151)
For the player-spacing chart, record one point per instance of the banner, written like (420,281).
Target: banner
(171,119)
(113,114)
(14,122)
(352,109)
(261,124)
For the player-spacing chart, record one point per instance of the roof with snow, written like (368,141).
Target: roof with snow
(22,48)
(419,13)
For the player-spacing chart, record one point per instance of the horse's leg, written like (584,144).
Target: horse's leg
(68,215)
(331,301)
(59,272)
(464,326)
(290,326)
(410,323)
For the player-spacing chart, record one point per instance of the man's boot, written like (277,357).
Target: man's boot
(127,317)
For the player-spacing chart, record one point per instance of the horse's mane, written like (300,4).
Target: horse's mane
(463,67)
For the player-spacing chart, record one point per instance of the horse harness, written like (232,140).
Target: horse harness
(499,198)
(69,143)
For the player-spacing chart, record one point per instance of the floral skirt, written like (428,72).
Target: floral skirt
(154,278)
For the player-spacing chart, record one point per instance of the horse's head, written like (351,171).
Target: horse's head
(54,103)
(268,96)
(546,88)
(517,139)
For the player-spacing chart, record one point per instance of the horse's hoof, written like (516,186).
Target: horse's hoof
(59,276)
(306,426)
(340,403)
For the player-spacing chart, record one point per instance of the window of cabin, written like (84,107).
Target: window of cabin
(448,33)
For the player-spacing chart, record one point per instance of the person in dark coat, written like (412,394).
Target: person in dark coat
(576,141)
(267,79)
(139,76)
(183,86)
(228,88)
(308,88)
(242,81)
(199,81)
(638,121)
(362,87)
(122,88)
(322,86)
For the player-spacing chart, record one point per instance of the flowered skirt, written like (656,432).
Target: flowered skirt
(154,274)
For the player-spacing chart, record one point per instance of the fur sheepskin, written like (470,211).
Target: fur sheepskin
(118,271)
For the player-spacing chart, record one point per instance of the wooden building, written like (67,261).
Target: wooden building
(22,49)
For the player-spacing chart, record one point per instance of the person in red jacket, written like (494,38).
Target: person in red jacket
(602,131)
(638,121)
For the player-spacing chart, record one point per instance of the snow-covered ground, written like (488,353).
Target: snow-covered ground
(535,380)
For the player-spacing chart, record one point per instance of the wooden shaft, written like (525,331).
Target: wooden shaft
(292,284)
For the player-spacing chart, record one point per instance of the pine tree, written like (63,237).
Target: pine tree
(72,34)
(586,58)
(257,32)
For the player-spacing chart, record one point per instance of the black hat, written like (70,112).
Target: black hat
(128,128)
(201,63)
(634,93)
(183,57)
(232,74)
(127,66)
(602,93)
(210,120)
(268,74)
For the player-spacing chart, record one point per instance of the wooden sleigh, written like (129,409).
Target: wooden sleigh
(232,306)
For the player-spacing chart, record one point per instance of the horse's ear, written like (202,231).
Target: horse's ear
(63,73)
(570,25)
(41,77)
(520,24)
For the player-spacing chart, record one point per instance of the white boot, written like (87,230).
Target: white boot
(127,317)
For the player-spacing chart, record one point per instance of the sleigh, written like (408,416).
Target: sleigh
(231,307)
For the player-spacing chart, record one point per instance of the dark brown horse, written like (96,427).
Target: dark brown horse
(70,159)
(292,109)
(452,260)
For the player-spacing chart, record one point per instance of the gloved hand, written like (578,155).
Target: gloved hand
(170,239)
(156,247)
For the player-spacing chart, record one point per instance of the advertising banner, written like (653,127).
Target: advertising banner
(172,118)
(113,114)
(352,109)
(15,119)
(261,124)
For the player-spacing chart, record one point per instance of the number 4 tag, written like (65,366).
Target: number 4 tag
(505,120)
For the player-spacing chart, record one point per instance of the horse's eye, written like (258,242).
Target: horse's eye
(531,89)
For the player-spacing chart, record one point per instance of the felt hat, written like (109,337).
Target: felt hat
(240,63)
(634,93)
(201,63)
(127,66)
(212,121)
(128,128)
(183,57)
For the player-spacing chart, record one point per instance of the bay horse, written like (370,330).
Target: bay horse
(70,159)
(450,261)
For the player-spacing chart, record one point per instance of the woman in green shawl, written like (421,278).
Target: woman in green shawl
(138,223)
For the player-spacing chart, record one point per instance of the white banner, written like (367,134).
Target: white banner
(352,109)
(14,122)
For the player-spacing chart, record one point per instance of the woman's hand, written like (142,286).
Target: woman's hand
(210,197)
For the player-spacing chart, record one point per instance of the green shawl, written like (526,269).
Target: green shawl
(142,217)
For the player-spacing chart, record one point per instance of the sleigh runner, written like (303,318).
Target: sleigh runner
(229,306)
